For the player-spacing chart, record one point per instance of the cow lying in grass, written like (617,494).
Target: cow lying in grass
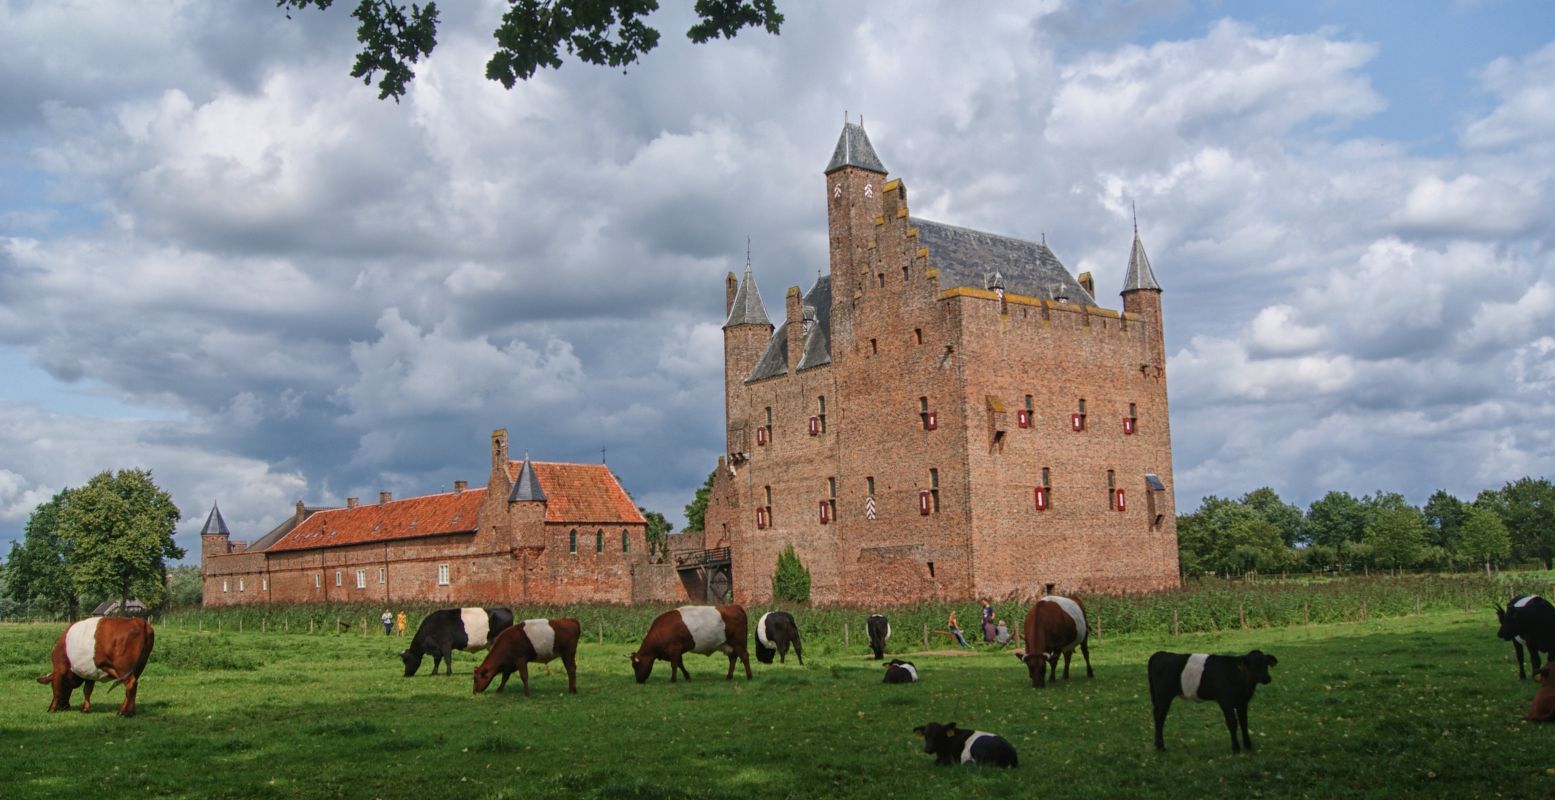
(99,649)
(1543,709)
(1228,680)
(533,641)
(951,745)
(899,671)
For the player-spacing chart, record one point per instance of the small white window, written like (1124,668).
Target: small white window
(361,579)
(242,585)
(264,583)
(442,574)
(383,574)
(318,580)
(224,585)
(339,578)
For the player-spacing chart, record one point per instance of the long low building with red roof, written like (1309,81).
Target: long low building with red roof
(538,532)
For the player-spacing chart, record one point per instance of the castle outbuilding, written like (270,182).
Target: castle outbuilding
(947,413)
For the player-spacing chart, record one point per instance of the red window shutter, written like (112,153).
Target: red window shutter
(1023,418)
(925,504)
(1041,494)
(930,421)
(815,426)
(1077,422)
(761,518)
(761,436)
(1128,425)
(825,512)
(1122,504)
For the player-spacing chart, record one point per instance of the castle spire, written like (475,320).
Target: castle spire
(214,524)
(1139,276)
(527,488)
(854,150)
(747,308)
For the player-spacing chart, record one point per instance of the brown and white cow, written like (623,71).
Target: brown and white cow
(99,649)
(533,641)
(1055,626)
(693,629)
(1543,709)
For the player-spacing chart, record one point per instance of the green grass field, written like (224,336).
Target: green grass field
(1425,705)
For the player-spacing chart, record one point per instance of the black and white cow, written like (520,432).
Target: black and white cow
(1228,680)
(899,671)
(443,632)
(775,631)
(879,629)
(1528,621)
(951,745)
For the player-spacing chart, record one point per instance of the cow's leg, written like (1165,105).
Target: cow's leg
(732,658)
(64,686)
(1160,704)
(677,665)
(1533,658)
(1085,650)
(745,658)
(86,695)
(570,661)
(782,652)
(1052,664)
(127,708)
(1241,716)
(1068,654)
(1517,647)
(507,673)
(799,652)
(1229,711)
(523,673)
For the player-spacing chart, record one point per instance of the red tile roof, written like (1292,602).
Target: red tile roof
(575,493)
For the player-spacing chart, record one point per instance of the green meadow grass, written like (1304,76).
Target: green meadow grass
(1410,706)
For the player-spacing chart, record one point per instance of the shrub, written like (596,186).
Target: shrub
(790,581)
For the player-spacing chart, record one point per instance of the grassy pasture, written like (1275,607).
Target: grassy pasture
(1419,705)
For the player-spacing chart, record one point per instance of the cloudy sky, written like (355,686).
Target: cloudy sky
(224,259)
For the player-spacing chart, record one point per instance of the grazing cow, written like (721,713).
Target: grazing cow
(1528,620)
(443,632)
(693,629)
(879,631)
(951,745)
(1543,709)
(899,671)
(1055,626)
(533,641)
(99,649)
(775,631)
(1228,680)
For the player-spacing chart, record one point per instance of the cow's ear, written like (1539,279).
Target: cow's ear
(1272,660)
(918,731)
(950,729)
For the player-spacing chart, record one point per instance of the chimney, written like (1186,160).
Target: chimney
(352,502)
(384,497)
(460,486)
(300,512)
(794,316)
(731,285)
(1087,283)
(499,450)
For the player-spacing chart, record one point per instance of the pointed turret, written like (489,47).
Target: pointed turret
(215,538)
(1139,276)
(854,150)
(527,488)
(214,524)
(746,308)
(1142,297)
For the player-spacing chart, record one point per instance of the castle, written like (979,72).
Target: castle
(947,414)
(537,532)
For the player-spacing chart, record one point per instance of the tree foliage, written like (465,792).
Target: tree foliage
(533,34)
(1484,537)
(185,586)
(36,568)
(658,532)
(791,580)
(119,528)
(1266,503)
(1227,537)
(1336,520)
(696,510)
(1527,508)
(1444,514)
(1395,533)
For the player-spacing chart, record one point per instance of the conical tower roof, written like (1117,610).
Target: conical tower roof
(854,150)
(1139,276)
(214,524)
(747,308)
(527,487)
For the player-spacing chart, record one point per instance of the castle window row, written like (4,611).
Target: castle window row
(928,418)
(599,541)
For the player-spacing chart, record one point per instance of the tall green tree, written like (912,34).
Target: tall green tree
(658,531)
(1266,503)
(119,527)
(790,580)
(1396,534)
(1229,538)
(185,586)
(1444,514)
(36,570)
(696,510)
(1527,508)
(1336,520)
(1483,537)
(533,34)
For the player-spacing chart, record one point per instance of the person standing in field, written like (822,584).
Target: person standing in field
(988,626)
(399,624)
(955,630)
(388,619)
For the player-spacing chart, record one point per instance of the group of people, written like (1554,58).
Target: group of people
(993,631)
(396,622)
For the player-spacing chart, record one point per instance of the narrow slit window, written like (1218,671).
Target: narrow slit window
(572,541)
(934,489)
(599,541)
(626,541)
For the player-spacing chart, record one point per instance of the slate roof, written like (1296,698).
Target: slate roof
(817,342)
(747,308)
(964,257)
(1139,276)
(576,494)
(214,524)
(854,150)
(526,488)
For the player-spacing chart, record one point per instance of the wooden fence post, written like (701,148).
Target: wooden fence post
(1417,604)
(925,636)
(1241,615)
(310,626)
(1306,613)
(1098,627)
(844,635)
(240,624)
(600,629)
(218,624)
(1363,610)
(1175,630)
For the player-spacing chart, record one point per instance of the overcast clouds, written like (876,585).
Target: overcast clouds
(224,259)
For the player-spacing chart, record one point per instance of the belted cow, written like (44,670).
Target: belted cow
(99,649)
(693,629)
(879,629)
(443,632)
(775,632)
(533,641)
(1228,680)
(951,745)
(1055,626)
(899,671)
(1528,620)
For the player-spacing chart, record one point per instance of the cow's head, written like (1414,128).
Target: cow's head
(642,666)
(483,676)
(1544,674)
(1508,620)
(412,659)
(1255,665)
(934,733)
(1036,665)
(897,662)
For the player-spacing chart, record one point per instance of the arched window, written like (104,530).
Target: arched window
(599,541)
(626,542)
(572,541)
